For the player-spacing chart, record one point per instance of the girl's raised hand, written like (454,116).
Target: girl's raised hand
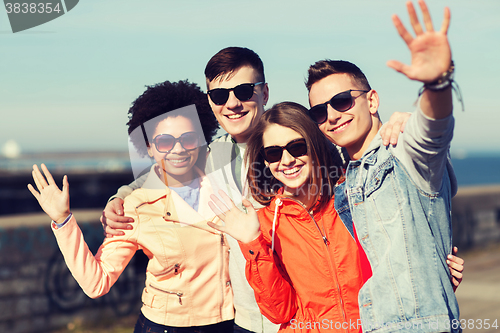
(53,201)
(242,227)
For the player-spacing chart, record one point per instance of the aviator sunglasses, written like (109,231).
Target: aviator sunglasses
(341,102)
(164,143)
(243,92)
(296,148)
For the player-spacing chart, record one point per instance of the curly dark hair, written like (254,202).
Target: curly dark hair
(164,97)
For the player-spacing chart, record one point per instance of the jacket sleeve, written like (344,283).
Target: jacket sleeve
(273,291)
(95,274)
(423,148)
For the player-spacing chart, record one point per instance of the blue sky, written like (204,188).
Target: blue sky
(67,85)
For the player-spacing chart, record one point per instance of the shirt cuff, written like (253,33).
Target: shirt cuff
(257,247)
(60,225)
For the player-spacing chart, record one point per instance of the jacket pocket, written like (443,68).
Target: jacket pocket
(376,179)
(177,293)
(152,301)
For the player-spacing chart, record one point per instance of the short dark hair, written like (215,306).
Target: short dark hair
(327,67)
(326,161)
(161,98)
(227,60)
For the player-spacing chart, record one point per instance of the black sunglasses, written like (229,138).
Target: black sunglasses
(243,92)
(164,143)
(341,102)
(296,148)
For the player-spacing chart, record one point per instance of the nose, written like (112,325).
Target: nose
(333,115)
(232,101)
(287,158)
(177,148)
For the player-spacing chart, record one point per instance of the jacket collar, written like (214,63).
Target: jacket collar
(175,208)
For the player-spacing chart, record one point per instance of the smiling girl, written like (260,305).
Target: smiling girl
(187,282)
(302,259)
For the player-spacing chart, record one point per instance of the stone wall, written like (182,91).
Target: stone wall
(37,291)
(476,217)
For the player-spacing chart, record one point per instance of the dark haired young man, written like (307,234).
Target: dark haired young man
(399,196)
(237,94)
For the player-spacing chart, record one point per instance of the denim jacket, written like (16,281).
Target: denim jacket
(406,234)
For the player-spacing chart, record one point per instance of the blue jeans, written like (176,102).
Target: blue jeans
(145,325)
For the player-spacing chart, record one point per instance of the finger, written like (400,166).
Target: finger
(456,283)
(115,206)
(117,225)
(455,250)
(109,218)
(65,187)
(454,266)
(108,232)
(455,259)
(383,134)
(38,178)
(34,192)
(405,120)
(446,21)
(48,175)
(414,19)
(216,210)
(407,37)
(457,275)
(399,66)
(218,227)
(248,205)
(395,132)
(426,15)
(219,203)
(227,200)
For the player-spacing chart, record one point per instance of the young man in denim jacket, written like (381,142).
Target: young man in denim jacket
(399,195)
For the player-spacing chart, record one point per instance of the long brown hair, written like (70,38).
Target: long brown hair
(326,161)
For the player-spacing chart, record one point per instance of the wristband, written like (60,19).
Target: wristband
(444,81)
(60,225)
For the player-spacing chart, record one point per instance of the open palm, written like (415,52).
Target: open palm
(53,201)
(430,50)
(243,227)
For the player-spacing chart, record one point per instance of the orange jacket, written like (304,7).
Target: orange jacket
(311,281)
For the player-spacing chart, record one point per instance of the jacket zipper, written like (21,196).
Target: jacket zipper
(176,268)
(178,293)
(330,259)
(221,274)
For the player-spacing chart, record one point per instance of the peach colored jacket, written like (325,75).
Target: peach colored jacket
(187,279)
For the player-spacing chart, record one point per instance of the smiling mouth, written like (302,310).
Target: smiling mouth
(236,115)
(179,161)
(341,127)
(293,172)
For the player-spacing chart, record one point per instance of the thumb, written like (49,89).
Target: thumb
(397,66)
(65,188)
(248,205)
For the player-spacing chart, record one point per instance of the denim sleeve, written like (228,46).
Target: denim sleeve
(423,149)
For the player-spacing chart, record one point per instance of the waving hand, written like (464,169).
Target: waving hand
(430,50)
(52,200)
(243,227)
